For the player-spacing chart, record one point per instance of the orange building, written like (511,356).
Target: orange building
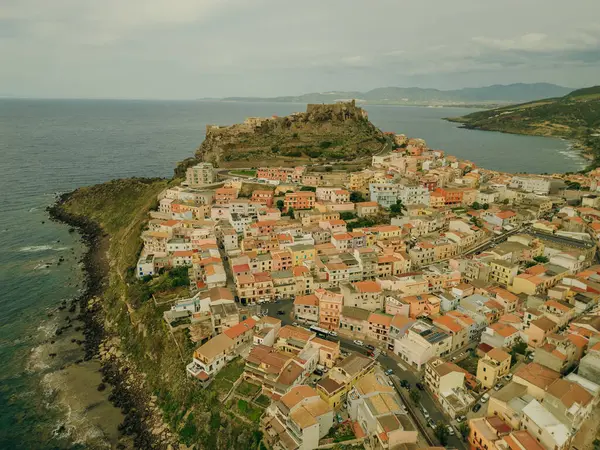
(299,200)
(224,195)
(451,196)
(264,197)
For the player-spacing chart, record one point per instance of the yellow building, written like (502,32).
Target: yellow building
(493,366)
(334,387)
(503,272)
(301,253)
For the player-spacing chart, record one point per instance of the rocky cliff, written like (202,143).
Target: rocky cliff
(335,132)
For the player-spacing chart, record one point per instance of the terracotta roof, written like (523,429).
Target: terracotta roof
(569,393)
(239,329)
(537,375)
(367,286)
(308,300)
(577,340)
(297,394)
(498,355)
(449,323)
(400,321)
(519,440)
(503,329)
(544,323)
(380,319)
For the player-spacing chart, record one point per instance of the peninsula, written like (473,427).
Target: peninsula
(400,304)
(575,116)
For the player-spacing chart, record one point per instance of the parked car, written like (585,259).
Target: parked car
(280,312)
(295,324)
(318,372)
(477,407)
(485,397)
(450,430)
(357,342)
(389,372)
(420,386)
(405,384)
(371,354)
(508,377)
(332,334)
(370,347)
(430,423)
(498,386)
(460,419)
(425,413)
(339,418)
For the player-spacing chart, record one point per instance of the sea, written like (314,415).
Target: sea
(52,146)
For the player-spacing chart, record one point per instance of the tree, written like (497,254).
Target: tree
(441,433)
(290,212)
(357,197)
(308,188)
(397,209)
(415,396)
(486,206)
(464,430)
(280,205)
(541,259)
(529,264)
(476,205)
(347,215)
(506,201)
(520,347)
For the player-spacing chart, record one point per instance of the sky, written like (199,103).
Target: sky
(189,49)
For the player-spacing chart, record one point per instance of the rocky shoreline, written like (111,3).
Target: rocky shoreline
(142,426)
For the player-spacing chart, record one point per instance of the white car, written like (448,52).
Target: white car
(332,334)
(357,342)
(450,430)
(485,397)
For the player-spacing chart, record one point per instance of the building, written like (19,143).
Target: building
(379,414)
(330,308)
(538,330)
(298,420)
(422,342)
(494,365)
(542,424)
(200,175)
(379,327)
(363,294)
(569,402)
(339,380)
(299,200)
(306,308)
(508,403)
(211,357)
(500,335)
(537,378)
(486,431)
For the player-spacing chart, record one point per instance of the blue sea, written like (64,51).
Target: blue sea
(53,146)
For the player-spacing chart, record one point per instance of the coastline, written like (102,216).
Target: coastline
(120,384)
(574,142)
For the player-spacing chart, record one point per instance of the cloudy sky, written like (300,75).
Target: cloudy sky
(186,49)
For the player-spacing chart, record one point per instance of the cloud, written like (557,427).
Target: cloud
(191,48)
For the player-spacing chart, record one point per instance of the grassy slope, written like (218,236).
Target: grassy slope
(573,116)
(121,208)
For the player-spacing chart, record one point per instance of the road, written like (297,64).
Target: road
(386,362)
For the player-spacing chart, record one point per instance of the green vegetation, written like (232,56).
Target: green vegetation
(347,215)
(415,396)
(541,259)
(247,410)
(244,172)
(464,430)
(441,433)
(262,400)
(247,389)
(120,207)
(469,364)
(357,197)
(396,210)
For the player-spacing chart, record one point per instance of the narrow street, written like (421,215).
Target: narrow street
(387,362)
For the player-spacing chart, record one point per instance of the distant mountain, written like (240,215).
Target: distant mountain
(490,95)
(574,115)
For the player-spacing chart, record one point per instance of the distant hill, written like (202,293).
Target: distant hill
(490,95)
(574,115)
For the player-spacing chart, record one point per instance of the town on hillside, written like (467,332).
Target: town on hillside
(420,302)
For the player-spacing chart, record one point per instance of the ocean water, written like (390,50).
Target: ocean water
(50,146)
